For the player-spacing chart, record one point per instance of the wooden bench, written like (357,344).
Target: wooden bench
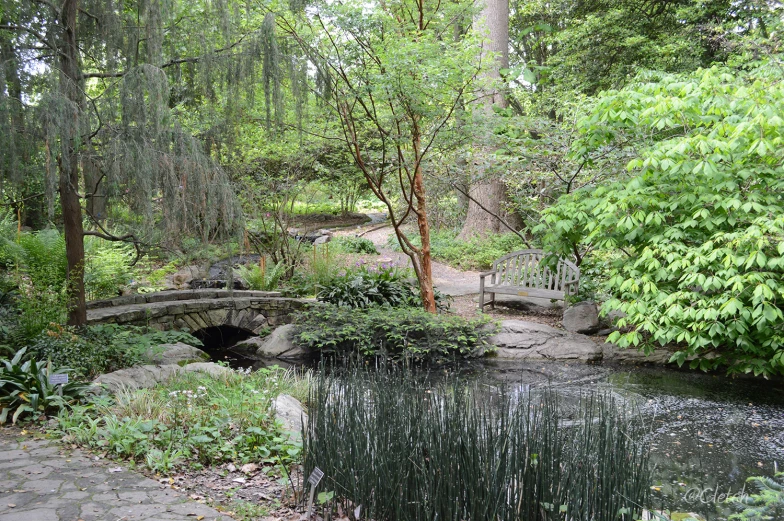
(521,273)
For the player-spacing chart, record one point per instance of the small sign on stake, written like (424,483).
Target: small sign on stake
(314,480)
(315,477)
(55,379)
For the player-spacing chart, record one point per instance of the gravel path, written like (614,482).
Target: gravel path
(447,279)
(41,481)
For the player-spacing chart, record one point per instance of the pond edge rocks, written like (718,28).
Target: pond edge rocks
(521,340)
(582,317)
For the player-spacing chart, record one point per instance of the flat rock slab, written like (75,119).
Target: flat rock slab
(144,376)
(523,340)
(40,481)
(177,353)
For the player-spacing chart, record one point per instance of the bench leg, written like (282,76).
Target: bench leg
(481,294)
(492,302)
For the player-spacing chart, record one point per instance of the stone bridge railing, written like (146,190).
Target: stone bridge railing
(193,310)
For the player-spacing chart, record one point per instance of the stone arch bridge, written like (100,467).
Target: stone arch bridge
(195,310)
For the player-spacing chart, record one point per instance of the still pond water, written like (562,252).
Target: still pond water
(708,433)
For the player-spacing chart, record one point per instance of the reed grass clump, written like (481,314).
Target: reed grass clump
(395,446)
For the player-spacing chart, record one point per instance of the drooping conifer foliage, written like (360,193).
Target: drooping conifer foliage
(107,99)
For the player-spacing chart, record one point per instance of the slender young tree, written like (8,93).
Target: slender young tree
(398,77)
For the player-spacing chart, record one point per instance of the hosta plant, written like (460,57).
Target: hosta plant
(365,287)
(25,389)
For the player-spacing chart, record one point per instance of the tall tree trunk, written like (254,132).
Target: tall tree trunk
(488,192)
(69,166)
(9,64)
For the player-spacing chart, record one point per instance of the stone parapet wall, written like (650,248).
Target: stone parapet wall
(248,312)
(187,294)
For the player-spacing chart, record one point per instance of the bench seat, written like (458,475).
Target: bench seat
(522,273)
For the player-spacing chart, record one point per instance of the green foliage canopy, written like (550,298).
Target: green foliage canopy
(700,219)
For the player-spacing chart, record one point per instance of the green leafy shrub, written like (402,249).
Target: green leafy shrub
(40,255)
(94,350)
(266,280)
(193,417)
(25,389)
(699,222)
(405,447)
(766,505)
(350,244)
(368,286)
(396,333)
(319,268)
(38,265)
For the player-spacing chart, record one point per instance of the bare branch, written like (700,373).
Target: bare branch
(500,219)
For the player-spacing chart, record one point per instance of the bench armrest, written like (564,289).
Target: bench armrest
(487,273)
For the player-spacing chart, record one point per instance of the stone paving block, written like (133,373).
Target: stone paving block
(56,488)
(42,486)
(37,514)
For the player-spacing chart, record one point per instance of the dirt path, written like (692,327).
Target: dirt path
(447,279)
(463,286)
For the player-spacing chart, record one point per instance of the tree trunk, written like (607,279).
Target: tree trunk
(426,265)
(93,181)
(69,167)
(9,64)
(490,193)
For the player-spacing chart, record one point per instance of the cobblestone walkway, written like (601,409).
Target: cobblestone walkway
(40,481)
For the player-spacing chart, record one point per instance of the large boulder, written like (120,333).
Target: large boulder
(178,353)
(522,340)
(181,278)
(144,376)
(291,415)
(280,344)
(582,317)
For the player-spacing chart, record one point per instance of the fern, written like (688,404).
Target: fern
(262,280)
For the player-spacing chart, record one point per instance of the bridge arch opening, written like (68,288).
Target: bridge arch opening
(219,342)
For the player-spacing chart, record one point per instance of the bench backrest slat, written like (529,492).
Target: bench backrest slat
(524,269)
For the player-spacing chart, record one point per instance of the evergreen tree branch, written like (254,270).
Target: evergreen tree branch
(170,63)
(38,36)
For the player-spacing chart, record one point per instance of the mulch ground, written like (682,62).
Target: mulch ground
(466,307)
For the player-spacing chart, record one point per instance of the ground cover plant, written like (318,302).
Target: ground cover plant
(26,392)
(349,244)
(475,253)
(396,446)
(93,350)
(193,419)
(403,333)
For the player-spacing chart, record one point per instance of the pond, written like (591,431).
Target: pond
(708,432)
